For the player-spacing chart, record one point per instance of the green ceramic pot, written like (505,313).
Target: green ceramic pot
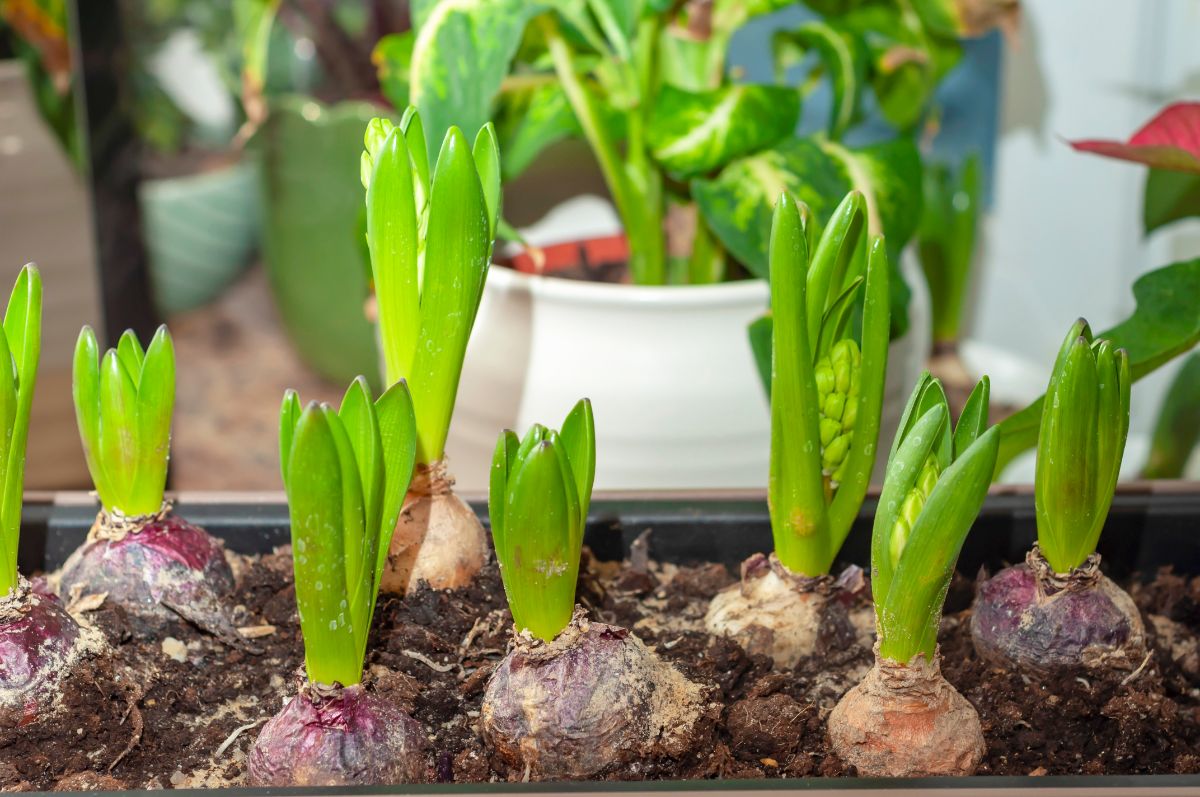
(314,231)
(200,232)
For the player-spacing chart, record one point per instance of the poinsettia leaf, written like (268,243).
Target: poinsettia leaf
(694,132)
(1171,140)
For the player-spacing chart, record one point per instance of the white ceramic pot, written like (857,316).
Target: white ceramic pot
(677,399)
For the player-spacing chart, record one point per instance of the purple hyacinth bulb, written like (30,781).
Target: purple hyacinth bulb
(38,646)
(335,736)
(1030,618)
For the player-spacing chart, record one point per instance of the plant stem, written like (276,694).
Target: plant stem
(636,186)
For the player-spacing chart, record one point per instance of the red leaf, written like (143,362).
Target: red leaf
(1169,141)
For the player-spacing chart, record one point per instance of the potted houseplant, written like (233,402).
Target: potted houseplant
(692,158)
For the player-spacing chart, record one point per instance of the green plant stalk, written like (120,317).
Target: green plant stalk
(812,511)
(1080,443)
(635,184)
(20,345)
(946,242)
(346,473)
(933,489)
(538,498)
(123,406)
(1177,430)
(430,241)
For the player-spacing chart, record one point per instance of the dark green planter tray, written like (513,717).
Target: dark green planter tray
(1148,527)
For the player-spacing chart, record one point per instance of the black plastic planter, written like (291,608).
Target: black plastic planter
(1149,526)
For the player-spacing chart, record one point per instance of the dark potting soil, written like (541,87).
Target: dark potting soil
(182,709)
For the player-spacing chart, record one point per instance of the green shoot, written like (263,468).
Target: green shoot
(20,345)
(430,236)
(933,489)
(345,473)
(826,377)
(540,490)
(1080,443)
(123,405)
(946,242)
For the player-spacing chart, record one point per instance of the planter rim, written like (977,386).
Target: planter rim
(608,294)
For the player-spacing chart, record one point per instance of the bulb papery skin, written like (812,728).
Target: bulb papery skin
(40,643)
(593,699)
(165,569)
(775,612)
(338,736)
(438,537)
(1029,618)
(906,720)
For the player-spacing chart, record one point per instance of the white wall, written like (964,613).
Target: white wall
(1064,236)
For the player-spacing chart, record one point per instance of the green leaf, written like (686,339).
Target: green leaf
(946,241)
(909,452)
(833,323)
(1177,429)
(23,339)
(398,435)
(457,248)
(762,332)
(129,352)
(118,433)
(289,416)
(392,56)
(796,494)
(578,438)
(736,202)
(540,562)
(909,616)
(503,459)
(315,495)
(1169,196)
(358,418)
(839,243)
(461,54)
(1067,464)
(844,58)
(155,405)
(694,132)
(487,163)
(973,421)
(534,121)
(1165,324)
(85,391)
(392,237)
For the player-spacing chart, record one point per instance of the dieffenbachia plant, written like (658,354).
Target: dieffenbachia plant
(20,347)
(346,472)
(826,377)
(649,87)
(1080,444)
(430,229)
(123,405)
(946,243)
(936,479)
(540,490)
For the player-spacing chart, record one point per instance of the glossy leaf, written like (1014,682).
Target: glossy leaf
(909,616)
(695,132)
(534,121)
(1165,324)
(946,241)
(796,496)
(1169,196)
(20,345)
(461,54)
(155,405)
(1177,429)
(843,57)
(392,57)
(487,164)
(315,503)
(456,262)
(85,392)
(578,438)
(1171,140)
(973,421)
(289,416)
(762,334)
(503,458)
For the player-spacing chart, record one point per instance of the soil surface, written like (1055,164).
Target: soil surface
(183,709)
